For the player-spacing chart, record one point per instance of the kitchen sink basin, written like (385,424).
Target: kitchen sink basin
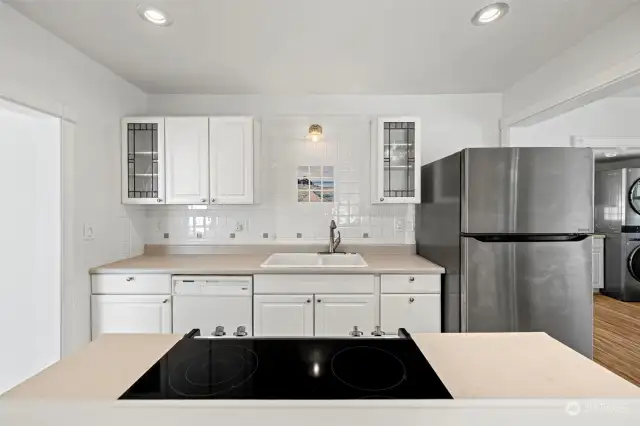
(314,260)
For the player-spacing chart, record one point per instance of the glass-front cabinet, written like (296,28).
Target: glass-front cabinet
(143,180)
(397,161)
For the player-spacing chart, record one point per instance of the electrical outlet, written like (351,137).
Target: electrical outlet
(199,235)
(410,226)
(87,232)
(399,224)
(239,226)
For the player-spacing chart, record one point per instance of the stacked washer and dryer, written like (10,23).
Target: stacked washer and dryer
(617,216)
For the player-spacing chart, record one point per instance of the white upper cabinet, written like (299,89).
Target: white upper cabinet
(187,160)
(143,162)
(231,160)
(396,161)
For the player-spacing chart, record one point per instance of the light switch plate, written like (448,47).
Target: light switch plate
(87,232)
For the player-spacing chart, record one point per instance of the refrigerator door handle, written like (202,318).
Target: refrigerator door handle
(530,238)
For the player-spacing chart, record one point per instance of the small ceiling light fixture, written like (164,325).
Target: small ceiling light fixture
(154,15)
(490,13)
(315,132)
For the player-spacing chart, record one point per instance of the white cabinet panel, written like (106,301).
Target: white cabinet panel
(131,284)
(410,283)
(143,160)
(418,313)
(130,314)
(187,160)
(231,160)
(313,284)
(336,315)
(283,315)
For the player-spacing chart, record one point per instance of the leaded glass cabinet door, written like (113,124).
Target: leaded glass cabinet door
(398,160)
(143,178)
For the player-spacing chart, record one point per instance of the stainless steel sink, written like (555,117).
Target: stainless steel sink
(314,260)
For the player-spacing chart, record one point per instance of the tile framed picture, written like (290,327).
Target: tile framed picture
(315,184)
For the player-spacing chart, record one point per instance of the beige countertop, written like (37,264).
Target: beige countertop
(202,264)
(501,365)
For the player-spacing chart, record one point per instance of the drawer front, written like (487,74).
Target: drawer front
(410,283)
(213,285)
(131,284)
(313,284)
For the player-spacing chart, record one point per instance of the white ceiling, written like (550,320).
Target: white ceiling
(321,46)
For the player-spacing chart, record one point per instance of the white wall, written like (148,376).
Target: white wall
(610,54)
(30,255)
(611,117)
(41,70)
(449,123)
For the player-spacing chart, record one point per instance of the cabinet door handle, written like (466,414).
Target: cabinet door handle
(411,279)
(159,200)
(165,300)
(213,200)
(381,199)
(411,300)
(204,200)
(130,279)
(308,300)
(319,300)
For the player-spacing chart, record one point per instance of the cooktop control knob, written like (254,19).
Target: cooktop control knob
(378,331)
(240,332)
(219,331)
(355,332)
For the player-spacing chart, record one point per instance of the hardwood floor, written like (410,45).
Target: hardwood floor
(616,338)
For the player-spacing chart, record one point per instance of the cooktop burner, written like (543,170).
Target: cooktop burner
(296,369)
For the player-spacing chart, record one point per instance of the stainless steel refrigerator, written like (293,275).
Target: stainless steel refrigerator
(512,228)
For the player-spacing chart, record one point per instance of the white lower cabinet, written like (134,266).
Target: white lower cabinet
(418,313)
(283,315)
(337,315)
(130,314)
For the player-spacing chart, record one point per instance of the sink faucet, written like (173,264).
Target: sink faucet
(333,241)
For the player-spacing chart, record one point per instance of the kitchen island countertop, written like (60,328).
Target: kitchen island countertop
(500,365)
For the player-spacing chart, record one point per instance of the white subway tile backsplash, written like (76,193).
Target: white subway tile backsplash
(285,153)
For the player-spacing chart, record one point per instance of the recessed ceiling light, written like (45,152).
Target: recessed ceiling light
(490,13)
(610,154)
(154,15)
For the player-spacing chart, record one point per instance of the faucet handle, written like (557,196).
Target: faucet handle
(337,241)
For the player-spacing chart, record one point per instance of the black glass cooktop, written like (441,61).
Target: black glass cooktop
(297,369)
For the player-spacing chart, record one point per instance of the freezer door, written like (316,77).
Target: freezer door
(527,191)
(520,286)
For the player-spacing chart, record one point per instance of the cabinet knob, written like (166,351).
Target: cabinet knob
(204,200)
(159,200)
(319,300)
(213,200)
(219,331)
(165,300)
(412,279)
(308,300)
(130,279)
(381,199)
(411,300)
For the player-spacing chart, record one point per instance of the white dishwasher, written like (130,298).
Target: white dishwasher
(217,305)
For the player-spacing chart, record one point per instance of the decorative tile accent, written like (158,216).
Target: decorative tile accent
(315,184)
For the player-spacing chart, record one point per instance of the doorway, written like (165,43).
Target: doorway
(31,237)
